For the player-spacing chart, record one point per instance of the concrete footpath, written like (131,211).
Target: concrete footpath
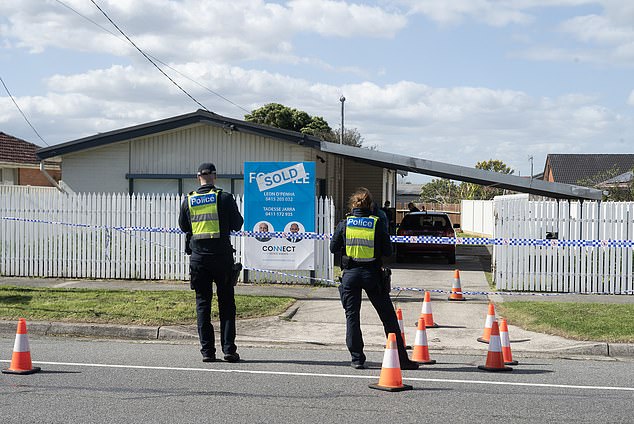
(317,318)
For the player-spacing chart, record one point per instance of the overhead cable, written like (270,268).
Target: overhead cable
(21,112)
(148,58)
(155,58)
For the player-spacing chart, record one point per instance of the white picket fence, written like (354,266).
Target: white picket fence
(602,269)
(476,217)
(73,236)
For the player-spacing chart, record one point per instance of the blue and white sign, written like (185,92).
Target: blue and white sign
(279,197)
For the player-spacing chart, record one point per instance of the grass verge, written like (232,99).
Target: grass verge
(578,321)
(138,307)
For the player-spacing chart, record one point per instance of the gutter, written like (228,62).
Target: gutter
(50,179)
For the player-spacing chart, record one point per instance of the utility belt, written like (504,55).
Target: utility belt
(348,263)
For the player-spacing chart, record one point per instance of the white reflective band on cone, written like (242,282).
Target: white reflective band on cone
(400,325)
(390,359)
(421,338)
(489,322)
(21,343)
(504,339)
(426,308)
(494,344)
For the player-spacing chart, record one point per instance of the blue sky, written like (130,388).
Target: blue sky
(459,81)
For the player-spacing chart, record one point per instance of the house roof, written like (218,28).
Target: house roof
(409,189)
(571,168)
(200,116)
(463,173)
(15,150)
(381,159)
(624,178)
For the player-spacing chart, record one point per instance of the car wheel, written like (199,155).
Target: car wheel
(451,259)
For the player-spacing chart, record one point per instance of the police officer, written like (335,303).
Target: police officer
(207,216)
(363,240)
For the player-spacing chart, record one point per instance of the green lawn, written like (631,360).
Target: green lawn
(122,306)
(578,321)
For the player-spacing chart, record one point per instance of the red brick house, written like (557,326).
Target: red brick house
(20,166)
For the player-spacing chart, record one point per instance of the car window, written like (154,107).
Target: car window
(424,222)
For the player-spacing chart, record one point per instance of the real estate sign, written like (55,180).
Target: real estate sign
(279,197)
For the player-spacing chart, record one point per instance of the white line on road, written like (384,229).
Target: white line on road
(310,374)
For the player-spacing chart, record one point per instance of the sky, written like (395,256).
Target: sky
(457,81)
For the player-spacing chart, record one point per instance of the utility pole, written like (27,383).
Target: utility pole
(342,100)
(531,159)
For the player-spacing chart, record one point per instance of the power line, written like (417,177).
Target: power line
(148,58)
(155,58)
(21,112)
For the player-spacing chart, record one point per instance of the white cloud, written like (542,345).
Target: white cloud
(457,125)
(227,30)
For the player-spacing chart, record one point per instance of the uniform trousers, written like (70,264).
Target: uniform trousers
(204,271)
(367,278)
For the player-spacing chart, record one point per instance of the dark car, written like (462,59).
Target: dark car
(433,224)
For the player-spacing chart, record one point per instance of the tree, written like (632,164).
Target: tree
(440,190)
(472,191)
(280,116)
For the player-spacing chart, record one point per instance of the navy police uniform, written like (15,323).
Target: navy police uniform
(212,261)
(361,265)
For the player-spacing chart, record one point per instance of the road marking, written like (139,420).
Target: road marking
(310,374)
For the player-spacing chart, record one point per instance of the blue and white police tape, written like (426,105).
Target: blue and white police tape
(478,241)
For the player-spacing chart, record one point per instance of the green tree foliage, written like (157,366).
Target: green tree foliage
(280,116)
(440,190)
(472,191)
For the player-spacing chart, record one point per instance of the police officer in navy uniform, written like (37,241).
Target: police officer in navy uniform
(363,240)
(207,216)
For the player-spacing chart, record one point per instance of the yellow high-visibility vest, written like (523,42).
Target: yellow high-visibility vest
(360,237)
(203,212)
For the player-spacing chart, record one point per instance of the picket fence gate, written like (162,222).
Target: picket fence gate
(592,269)
(46,233)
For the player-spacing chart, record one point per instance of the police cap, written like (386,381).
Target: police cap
(206,169)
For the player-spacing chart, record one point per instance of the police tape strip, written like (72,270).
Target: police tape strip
(467,241)
(327,282)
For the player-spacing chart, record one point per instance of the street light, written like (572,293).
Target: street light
(342,100)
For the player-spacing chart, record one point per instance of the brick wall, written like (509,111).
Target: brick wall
(34,177)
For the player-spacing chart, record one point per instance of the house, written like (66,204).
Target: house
(163,156)
(575,168)
(19,164)
(406,193)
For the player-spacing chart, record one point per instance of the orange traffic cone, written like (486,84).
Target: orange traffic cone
(495,362)
(456,290)
(487,324)
(426,311)
(391,379)
(21,359)
(421,350)
(399,317)
(506,343)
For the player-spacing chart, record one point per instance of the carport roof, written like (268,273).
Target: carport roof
(463,173)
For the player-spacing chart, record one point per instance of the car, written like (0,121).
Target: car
(426,223)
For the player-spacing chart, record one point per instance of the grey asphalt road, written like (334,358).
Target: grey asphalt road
(92,381)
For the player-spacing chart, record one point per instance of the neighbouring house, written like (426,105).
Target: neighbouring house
(575,168)
(406,193)
(19,164)
(163,156)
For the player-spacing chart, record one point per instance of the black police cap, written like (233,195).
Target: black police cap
(206,169)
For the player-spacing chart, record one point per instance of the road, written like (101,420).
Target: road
(96,381)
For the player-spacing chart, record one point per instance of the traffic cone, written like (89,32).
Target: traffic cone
(506,343)
(391,379)
(426,311)
(399,317)
(421,350)
(495,362)
(456,290)
(21,359)
(487,324)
